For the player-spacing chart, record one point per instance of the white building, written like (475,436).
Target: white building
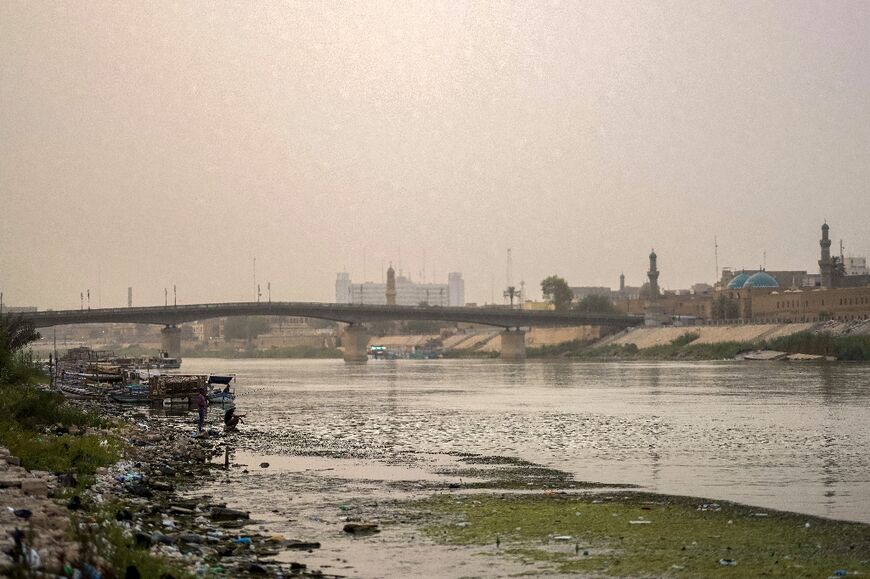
(408,293)
(856,265)
(455,289)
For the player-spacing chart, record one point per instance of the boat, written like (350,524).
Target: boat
(132,394)
(166,362)
(220,378)
(79,392)
(220,397)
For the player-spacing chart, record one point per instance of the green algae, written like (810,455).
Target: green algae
(510,473)
(642,535)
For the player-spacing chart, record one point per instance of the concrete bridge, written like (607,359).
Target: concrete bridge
(355,336)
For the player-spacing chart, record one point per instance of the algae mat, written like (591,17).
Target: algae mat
(643,535)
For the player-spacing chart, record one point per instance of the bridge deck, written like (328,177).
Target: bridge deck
(349,313)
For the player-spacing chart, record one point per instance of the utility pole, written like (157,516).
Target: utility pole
(174,296)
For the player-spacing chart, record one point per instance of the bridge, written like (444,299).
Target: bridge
(355,336)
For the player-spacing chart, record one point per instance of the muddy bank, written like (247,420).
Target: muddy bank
(153,495)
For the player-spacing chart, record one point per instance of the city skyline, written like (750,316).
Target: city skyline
(171,145)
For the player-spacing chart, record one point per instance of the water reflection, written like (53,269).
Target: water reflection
(788,436)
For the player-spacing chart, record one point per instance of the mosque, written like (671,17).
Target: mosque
(835,293)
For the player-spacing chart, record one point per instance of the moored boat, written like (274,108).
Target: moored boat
(132,394)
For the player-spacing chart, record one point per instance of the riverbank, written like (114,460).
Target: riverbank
(688,344)
(289,352)
(170,506)
(110,491)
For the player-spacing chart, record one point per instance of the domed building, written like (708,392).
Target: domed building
(738,280)
(758,280)
(762,279)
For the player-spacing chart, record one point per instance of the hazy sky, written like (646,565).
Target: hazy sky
(151,144)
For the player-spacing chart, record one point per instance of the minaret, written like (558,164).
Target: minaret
(622,283)
(391,286)
(826,266)
(653,275)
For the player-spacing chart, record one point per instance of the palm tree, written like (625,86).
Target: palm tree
(16,333)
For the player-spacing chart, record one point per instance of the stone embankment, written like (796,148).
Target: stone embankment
(748,333)
(35,524)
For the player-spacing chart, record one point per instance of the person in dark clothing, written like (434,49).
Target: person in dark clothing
(201,404)
(231,419)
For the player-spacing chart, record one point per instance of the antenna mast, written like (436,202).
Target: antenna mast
(509,268)
(716,257)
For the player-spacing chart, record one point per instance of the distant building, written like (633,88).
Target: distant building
(856,266)
(585,291)
(342,288)
(455,289)
(407,292)
(784,278)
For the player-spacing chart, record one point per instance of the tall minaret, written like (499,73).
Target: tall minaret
(653,275)
(622,283)
(391,286)
(826,266)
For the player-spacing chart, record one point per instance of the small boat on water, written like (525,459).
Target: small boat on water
(223,395)
(220,378)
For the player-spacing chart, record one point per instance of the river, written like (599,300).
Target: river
(789,436)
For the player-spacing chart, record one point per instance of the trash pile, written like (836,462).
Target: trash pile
(143,496)
(203,535)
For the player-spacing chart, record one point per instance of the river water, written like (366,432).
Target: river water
(790,436)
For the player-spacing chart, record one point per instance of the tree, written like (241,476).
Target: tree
(724,308)
(16,366)
(556,290)
(595,305)
(245,328)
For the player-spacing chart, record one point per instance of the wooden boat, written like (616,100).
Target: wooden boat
(79,391)
(132,394)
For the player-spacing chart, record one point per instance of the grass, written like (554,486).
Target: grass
(679,541)
(27,420)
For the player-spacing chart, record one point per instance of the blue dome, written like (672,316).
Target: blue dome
(761,279)
(738,281)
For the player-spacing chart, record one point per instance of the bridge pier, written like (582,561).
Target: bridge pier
(170,341)
(513,345)
(355,340)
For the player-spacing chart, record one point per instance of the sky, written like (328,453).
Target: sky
(212,146)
